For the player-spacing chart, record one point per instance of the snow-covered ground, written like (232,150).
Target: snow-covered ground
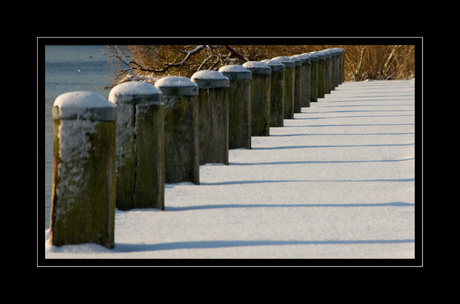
(335,182)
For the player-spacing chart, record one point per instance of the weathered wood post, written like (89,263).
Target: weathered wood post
(333,54)
(336,53)
(327,72)
(212,116)
(313,76)
(140,145)
(182,158)
(289,82)
(83,191)
(276,93)
(321,74)
(260,97)
(341,66)
(305,81)
(297,84)
(239,97)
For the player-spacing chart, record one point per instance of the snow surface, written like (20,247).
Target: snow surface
(335,182)
(82,99)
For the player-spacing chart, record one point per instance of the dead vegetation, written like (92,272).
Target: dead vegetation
(150,62)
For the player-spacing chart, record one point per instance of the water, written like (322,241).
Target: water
(70,68)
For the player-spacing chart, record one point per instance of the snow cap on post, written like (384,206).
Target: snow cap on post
(275,65)
(236,72)
(177,85)
(304,58)
(257,67)
(135,92)
(210,79)
(288,62)
(82,105)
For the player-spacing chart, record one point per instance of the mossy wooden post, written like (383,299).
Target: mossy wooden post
(276,93)
(333,54)
(297,84)
(83,191)
(212,116)
(305,81)
(327,72)
(289,82)
(341,65)
(239,98)
(140,145)
(336,64)
(321,74)
(180,97)
(313,77)
(260,97)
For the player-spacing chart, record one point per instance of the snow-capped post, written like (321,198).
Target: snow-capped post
(333,55)
(321,73)
(239,98)
(341,66)
(305,80)
(313,76)
(180,97)
(212,116)
(260,97)
(83,191)
(336,64)
(297,84)
(327,72)
(276,92)
(140,145)
(289,82)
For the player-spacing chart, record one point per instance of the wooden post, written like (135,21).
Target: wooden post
(289,83)
(260,97)
(83,191)
(213,116)
(140,145)
(239,95)
(297,84)
(305,82)
(321,74)
(180,96)
(276,92)
(313,77)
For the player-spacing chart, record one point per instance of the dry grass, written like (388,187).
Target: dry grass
(379,62)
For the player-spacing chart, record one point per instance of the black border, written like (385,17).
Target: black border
(417,262)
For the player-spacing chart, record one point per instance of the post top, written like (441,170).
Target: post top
(275,65)
(82,99)
(288,62)
(235,72)
(257,67)
(313,57)
(210,79)
(296,60)
(177,85)
(135,92)
(304,58)
(83,105)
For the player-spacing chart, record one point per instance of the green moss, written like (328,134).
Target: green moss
(83,202)
(260,105)
(181,139)
(277,100)
(240,114)
(213,125)
(289,78)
